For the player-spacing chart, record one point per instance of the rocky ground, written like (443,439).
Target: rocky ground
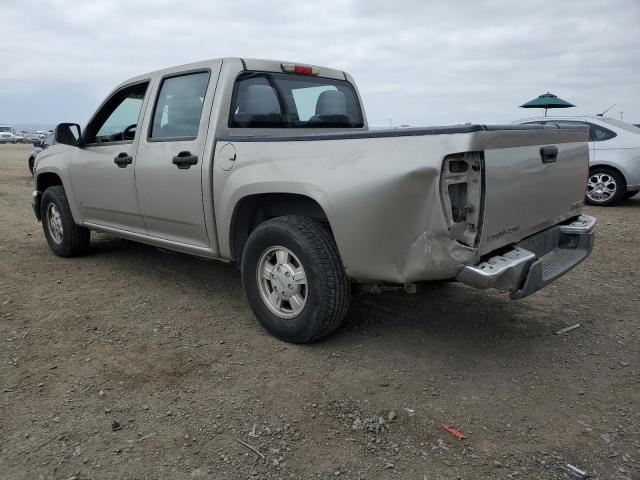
(133,363)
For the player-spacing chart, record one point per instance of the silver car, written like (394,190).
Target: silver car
(614,156)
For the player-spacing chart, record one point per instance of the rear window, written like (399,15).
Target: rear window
(274,100)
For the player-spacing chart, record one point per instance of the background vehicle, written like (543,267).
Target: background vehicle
(32,138)
(38,147)
(271,165)
(7,134)
(614,156)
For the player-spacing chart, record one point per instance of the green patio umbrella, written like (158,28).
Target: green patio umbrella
(547,100)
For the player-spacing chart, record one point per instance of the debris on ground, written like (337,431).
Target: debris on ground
(562,331)
(456,433)
(574,471)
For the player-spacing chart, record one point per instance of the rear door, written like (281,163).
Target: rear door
(527,188)
(169,174)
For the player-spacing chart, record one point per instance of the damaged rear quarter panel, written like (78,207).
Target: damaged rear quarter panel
(381,196)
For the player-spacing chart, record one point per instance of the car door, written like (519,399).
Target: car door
(169,160)
(592,151)
(102,169)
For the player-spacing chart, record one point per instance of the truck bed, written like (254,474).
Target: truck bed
(380,189)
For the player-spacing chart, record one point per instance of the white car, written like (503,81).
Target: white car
(7,134)
(614,156)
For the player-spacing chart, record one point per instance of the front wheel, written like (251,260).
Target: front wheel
(605,187)
(64,237)
(294,279)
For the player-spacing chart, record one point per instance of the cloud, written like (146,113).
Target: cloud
(416,62)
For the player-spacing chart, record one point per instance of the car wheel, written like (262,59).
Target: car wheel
(605,187)
(630,194)
(31,162)
(65,238)
(294,279)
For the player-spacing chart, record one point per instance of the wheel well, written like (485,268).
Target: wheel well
(251,211)
(604,165)
(47,180)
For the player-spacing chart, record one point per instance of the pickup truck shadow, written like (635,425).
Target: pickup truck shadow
(452,314)
(448,313)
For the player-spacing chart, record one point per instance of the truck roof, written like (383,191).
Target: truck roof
(246,63)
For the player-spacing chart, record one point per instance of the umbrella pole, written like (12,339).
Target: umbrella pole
(545,112)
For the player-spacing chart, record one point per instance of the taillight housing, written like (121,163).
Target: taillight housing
(461,184)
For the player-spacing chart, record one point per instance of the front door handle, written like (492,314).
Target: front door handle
(122,160)
(184,160)
(549,154)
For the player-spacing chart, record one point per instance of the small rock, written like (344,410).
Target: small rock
(392,416)
(56,419)
(276,462)
(77,451)
(115,426)
(101,393)
(389,465)
(107,410)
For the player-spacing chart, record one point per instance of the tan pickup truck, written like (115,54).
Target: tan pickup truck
(271,165)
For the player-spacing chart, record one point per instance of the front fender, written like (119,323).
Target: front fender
(56,160)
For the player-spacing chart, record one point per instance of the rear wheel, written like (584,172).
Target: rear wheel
(64,237)
(294,279)
(605,187)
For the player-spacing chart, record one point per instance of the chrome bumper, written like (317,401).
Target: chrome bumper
(535,261)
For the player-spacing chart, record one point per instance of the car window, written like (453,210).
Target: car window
(179,106)
(599,134)
(274,100)
(117,120)
(48,141)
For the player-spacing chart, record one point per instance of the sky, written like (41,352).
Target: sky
(415,62)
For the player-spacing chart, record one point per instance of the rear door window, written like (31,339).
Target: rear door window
(179,107)
(273,100)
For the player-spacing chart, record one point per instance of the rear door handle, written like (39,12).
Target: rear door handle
(549,154)
(122,160)
(184,160)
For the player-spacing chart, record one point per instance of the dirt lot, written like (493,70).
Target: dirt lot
(164,345)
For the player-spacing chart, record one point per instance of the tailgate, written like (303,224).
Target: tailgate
(527,188)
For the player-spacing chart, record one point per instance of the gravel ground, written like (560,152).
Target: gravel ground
(133,363)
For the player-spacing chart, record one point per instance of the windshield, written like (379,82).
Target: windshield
(275,100)
(4,128)
(620,124)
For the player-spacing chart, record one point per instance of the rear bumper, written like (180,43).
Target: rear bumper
(535,261)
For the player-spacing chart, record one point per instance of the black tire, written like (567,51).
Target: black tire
(618,194)
(327,289)
(31,162)
(74,239)
(630,194)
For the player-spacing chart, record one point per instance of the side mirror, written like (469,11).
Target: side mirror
(68,134)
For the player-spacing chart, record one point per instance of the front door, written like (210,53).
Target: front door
(102,170)
(169,159)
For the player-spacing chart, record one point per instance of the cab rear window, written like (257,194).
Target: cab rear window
(274,100)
